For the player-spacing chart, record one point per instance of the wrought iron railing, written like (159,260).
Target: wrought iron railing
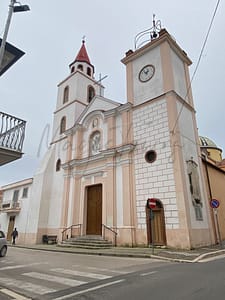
(110,234)
(12,132)
(71,232)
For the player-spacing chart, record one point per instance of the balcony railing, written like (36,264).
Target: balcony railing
(10,206)
(12,133)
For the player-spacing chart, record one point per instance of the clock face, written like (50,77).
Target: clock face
(146,73)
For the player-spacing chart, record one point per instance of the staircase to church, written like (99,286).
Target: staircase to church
(88,242)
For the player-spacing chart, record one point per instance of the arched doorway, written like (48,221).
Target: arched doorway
(156,224)
(94,210)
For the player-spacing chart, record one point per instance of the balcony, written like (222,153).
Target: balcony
(12,133)
(10,207)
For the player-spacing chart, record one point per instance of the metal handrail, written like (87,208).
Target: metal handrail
(111,230)
(70,235)
(12,132)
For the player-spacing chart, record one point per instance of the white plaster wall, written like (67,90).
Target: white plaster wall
(190,151)
(153,87)
(4,222)
(151,132)
(22,216)
(55,194)
(71,112)
(77,83)
(39,206)
(179,75)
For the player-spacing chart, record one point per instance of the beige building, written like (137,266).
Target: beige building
(106,159)
(214,174)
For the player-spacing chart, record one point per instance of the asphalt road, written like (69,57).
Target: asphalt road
(46,276)
(51,275)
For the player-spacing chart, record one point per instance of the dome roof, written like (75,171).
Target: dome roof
(206,142)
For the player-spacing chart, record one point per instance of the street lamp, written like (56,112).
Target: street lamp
(14,6)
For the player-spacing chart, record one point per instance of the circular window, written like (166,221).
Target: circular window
(150,156)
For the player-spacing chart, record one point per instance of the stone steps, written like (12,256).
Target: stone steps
(88,242)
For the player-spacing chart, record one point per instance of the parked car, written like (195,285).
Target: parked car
(3,244)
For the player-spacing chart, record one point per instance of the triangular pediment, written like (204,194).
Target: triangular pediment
(98,104)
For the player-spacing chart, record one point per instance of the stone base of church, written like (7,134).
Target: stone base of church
(184,239)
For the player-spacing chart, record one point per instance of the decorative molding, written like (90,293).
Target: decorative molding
(98,157)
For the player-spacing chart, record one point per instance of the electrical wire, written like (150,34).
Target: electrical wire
(198,62)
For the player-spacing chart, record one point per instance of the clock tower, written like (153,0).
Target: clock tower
(167,159)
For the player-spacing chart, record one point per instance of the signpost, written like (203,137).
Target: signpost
(151,204)
(214,203)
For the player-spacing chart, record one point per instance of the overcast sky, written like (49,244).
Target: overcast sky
(51,35)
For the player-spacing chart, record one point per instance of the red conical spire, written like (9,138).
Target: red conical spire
(82,54)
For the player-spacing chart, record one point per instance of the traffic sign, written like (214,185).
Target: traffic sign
(151,203)
(214,203)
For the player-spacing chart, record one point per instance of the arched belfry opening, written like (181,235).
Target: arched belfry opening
(155,221)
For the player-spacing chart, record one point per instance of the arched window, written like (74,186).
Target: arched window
(72,69)
(89,71)
(63,125)
(80,67)
(91,93)
(66,94)
(58,165)
(95,143)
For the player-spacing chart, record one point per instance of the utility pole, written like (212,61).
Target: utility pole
(12,8)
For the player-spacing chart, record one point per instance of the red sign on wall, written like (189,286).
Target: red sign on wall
(151,203)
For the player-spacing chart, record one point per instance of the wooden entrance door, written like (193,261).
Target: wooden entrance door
(10,227)
(94,210)
(156,226)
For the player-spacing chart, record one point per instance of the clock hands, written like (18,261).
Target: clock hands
(146,71)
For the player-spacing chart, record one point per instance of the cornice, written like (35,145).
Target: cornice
(99,157)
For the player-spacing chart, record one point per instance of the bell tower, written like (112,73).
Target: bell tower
(167,158)
(75,93)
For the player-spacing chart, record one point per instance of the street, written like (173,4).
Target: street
(46,275)
(43,275)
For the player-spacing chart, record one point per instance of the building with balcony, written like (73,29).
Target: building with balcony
(14,206)
(12,133)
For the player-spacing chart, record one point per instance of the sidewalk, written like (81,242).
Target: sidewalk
(168,254)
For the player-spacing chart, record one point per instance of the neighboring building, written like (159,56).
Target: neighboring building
(214,173)
(14,208)
(106,159)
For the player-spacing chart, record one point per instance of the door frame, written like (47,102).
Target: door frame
(159,209)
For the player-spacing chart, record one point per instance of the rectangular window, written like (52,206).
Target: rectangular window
(198,212)
(25,192)
(15,196)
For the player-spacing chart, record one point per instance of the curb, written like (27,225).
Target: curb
(204,255)
(118,254)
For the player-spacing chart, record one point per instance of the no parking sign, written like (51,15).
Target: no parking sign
(214,203)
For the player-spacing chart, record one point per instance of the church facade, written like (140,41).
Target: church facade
(131,171)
